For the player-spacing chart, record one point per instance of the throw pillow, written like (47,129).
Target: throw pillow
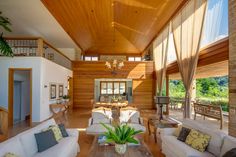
(177,131)
(56,131)
(183,134)
(10,155)
(45,140)
(230,153)
(63,130)
(198,140)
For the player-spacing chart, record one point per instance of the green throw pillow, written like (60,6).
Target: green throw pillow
(56,131)
(10,155)
(198,140)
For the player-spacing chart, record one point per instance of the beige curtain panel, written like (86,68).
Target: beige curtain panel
(187,31)
(160,47)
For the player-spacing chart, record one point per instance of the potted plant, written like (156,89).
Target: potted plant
(120,136)
(66,98)
(5,49)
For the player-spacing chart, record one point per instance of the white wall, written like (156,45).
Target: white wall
(21,62)
(51,73)
(43,72)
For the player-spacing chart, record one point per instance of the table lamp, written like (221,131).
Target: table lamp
(160,101)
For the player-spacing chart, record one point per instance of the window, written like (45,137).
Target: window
(216,22)
(134,59)
(91,58)
(113,87)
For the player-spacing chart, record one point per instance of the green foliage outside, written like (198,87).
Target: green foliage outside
(212,90)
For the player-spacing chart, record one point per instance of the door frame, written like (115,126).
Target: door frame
(11,94)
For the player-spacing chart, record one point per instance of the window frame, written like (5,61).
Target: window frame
(134,58)
(113,89)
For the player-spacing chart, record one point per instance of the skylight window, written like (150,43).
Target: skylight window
(216,22)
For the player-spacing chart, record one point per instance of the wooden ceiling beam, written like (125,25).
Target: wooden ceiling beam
(214,53)
(166,23)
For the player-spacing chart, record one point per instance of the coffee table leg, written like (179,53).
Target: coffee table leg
(155,134)
(149,129)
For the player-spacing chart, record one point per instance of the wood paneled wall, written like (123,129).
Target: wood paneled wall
(84,73)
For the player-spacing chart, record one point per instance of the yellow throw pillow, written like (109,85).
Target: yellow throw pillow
(56,132)
(198,140)
(10,155)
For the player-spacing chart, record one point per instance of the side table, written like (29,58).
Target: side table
(167,122)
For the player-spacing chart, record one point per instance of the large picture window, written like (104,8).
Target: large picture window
(113,87)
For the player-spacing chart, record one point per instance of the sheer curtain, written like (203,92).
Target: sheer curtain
(160,48)
(213,22)
(187,30)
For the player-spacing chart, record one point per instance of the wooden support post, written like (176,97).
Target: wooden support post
(167,93)
(232,66)
(40,47)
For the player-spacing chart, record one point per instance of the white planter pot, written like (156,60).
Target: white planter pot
(120,148)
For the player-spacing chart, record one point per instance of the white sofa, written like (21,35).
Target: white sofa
(24,144)
(219,144)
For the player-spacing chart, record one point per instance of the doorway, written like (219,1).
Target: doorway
(20,97)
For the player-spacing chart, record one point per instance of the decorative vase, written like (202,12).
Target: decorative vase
(120,148)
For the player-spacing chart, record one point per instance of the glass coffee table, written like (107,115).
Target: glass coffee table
(98,150)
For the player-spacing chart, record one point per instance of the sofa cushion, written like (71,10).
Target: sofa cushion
(137,126)
(216,136)
(198,140)
(28,140)
(229,142)
(101,120)
(231,153)
(67,147)
(12,145)
(63,130)
(183,134)
(181,149)
(96,129)
(131,116)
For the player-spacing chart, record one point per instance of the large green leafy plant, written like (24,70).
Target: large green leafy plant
(5,49)
(121,134)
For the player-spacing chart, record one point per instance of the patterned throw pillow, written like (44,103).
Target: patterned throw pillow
(56,131)
(183,134)
(10,155)
(198,140)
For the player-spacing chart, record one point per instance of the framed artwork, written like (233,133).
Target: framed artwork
(53,91)
(60,90)
(51,56)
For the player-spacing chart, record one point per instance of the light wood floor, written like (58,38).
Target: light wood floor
(78,118)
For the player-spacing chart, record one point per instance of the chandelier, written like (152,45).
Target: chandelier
(114,66)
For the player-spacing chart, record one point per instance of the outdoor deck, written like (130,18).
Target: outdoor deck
(208,122)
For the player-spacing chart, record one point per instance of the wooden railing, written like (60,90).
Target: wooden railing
(37,47)
(3,124)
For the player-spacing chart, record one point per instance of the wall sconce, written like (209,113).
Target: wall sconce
(45,86)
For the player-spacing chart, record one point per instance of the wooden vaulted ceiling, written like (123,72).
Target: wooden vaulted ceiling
(113,26)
